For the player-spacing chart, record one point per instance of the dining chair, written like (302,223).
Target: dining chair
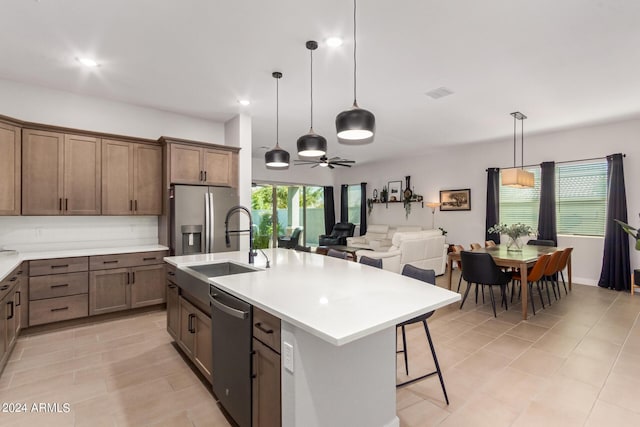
(541,242)
(458,249)
(480,268)
(534,275)
(373,262)
(564,260)
(429,277)
(475,246)
(489,244)
(337,254)
(551,276)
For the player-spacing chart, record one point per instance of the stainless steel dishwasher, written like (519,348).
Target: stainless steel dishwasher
(231,320)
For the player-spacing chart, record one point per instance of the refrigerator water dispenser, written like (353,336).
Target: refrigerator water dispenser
(191,239)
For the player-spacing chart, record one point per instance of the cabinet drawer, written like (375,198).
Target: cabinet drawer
(266,328)
(103,262)
(56,309)
(43,267)
(171,272)
(58,285)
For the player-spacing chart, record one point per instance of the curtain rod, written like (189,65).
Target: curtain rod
(566,161)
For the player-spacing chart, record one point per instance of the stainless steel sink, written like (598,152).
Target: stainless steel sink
(221,269)
(194,279)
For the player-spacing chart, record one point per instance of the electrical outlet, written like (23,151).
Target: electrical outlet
(288,357)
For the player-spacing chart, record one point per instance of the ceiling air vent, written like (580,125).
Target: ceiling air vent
(440,92)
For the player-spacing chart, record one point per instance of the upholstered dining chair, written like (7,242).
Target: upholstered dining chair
(336,254)
(373,262)
(551,276)
(541,242)
(564,259)
(489,244)
(534,275)
(480,269)
(429,277)
(475,246)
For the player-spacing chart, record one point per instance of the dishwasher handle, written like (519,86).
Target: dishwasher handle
(240,314)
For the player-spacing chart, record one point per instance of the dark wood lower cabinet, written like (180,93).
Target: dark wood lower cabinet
(194,336)
(173,310)
(266,399)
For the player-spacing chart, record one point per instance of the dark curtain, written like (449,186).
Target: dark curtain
(363,208)
(547,212)
(329,210)
(344,203)
(493,203)
(616,268)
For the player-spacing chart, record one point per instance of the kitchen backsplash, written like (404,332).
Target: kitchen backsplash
(29,233)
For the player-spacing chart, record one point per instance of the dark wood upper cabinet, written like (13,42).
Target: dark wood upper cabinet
(82,177)
(203,164)
(10,170)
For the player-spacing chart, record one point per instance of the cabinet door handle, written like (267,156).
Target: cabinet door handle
(200,175)
(171,286)
(11,315)
(135,205)
(60,204)
(60,309)
(131,205)
(263,329)
(13,279)
(60,266)
(19,295)
(64,285)
(190,326)
(133,280)
(253,365)
(115,261)
(171,273)
(66,204)
(149,258)
(128,278)
(205,175)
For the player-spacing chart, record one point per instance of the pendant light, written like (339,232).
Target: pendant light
(277,158)
(312,144)
(518,177)
(355,126)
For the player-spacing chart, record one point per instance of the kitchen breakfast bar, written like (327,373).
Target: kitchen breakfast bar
(338,331)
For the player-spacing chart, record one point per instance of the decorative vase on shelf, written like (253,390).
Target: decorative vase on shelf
(514,244)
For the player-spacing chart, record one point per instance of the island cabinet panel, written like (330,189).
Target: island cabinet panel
(203,165)
(60,174)
(10,169)
(173,310)
(109,291)
(11,303)
(194,336)
(131,178)
(266,390)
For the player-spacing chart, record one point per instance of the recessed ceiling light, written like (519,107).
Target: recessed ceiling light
(334,41)
(87,62)
(244,102)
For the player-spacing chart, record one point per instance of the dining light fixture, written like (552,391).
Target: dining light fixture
(518,177)
(433,206)
(277,158)
(312,144)
(355,126)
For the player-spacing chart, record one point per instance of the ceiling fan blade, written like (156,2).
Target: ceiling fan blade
(306,162)
(330,166)
(344,161)
(315,166)
(341,164)
(333,158)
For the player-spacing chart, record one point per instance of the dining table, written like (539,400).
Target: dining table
(521,259)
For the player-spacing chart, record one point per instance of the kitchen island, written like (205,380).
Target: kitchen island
(339,318)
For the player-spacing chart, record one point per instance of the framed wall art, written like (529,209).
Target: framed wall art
(395,191)
(455,200)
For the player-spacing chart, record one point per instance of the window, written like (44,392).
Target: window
(353,203)
(581,199)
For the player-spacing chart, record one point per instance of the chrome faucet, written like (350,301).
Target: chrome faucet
(231,211)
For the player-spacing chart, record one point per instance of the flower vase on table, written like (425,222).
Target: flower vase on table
(514,244)
(515,232)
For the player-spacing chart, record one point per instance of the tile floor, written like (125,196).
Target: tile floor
(574,363)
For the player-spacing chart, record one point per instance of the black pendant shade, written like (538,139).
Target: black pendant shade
(277,158)
(355,126)
(312,144)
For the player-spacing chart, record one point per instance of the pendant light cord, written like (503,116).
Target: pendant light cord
(355,46)
(522,145)
(311,50)
(277,114)
(514,141)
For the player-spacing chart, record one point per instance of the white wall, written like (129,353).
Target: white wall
(238,133)
(294,175)
(41,105)
(465,167)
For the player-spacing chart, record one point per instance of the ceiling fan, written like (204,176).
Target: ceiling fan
(325,162)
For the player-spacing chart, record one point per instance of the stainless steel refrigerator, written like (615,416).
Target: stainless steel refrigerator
(197,219)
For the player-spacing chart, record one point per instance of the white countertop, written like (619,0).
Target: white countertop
(336,300)
(9,262)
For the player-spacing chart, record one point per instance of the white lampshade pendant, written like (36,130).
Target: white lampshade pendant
(518,177)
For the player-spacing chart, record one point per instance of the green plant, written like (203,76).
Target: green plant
(514,230)
(369,206)
(407,207)
(444,232)
(633,232)
(383,194)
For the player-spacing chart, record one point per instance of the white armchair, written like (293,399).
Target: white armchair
(423,249)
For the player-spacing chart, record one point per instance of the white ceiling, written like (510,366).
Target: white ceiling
(563,63)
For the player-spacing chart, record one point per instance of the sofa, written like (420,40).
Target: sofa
(341,231)
(379,236)
(423,249)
